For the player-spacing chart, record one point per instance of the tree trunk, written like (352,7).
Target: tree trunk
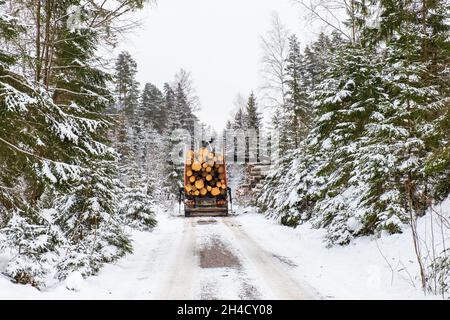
(38,63)
(48,16)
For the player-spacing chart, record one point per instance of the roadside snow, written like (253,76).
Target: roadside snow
(368,268)
(74,281)
(132,277)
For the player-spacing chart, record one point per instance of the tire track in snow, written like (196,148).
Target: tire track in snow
(270,270)
(178,282)
(222,275)
(154,261)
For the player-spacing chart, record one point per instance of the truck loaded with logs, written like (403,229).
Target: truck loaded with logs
(205,191)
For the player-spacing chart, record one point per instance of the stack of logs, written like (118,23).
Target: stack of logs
(204,174)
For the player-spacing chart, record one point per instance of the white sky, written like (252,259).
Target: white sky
(217,41)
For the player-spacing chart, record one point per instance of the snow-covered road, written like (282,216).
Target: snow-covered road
(187,258)
(214,258)
(243,257)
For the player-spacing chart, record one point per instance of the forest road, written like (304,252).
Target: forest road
(214,258)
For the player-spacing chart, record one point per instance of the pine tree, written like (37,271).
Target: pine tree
(136,204)
(152,107)
(182,107)
(129,112)
(53,135)
(239,120)
(253,125)
(88,214)
(90,222)
(311,72)
(51,139)
(127,88)
(172,138)
(253,118)
(296,117)
(376,154)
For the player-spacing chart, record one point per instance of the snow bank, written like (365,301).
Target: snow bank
(74,281)
(367,268)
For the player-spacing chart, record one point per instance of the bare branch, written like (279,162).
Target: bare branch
(313,9)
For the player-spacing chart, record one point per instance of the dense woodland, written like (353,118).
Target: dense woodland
(82,148)
(362,116)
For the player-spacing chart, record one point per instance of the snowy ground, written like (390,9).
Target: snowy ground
(244,257)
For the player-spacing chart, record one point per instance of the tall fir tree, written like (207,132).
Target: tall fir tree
(127,88)
(172,138)
(91,223)
(60,137)
(136,206)
(296,117)
(152,107)
(254,127)
(253,116)
(239,120)
(88,213)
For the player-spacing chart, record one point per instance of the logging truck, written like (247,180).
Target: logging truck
(205,191)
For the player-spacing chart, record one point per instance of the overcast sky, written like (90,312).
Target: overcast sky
(217,41)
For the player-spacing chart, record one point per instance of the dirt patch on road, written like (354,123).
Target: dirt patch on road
(217,255)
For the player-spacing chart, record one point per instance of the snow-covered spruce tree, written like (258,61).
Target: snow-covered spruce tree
(171,141)
(33,239)
(346,105)
(136,202)
(155,163)
(315,59)
(35,137)
(126,93)
(137,118)
(88,212)
(253,116)
(90,222)
(297,103)
(435,49)
(126,86)
(290,189)
(381,149)
(239,120)
(416,110)
(318,179)
(153,115)
(321,50)
(415,73)
(152,106)
(293,185)
(9,29)
(272,198)
(51,131)
(187,118)
(254,124)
